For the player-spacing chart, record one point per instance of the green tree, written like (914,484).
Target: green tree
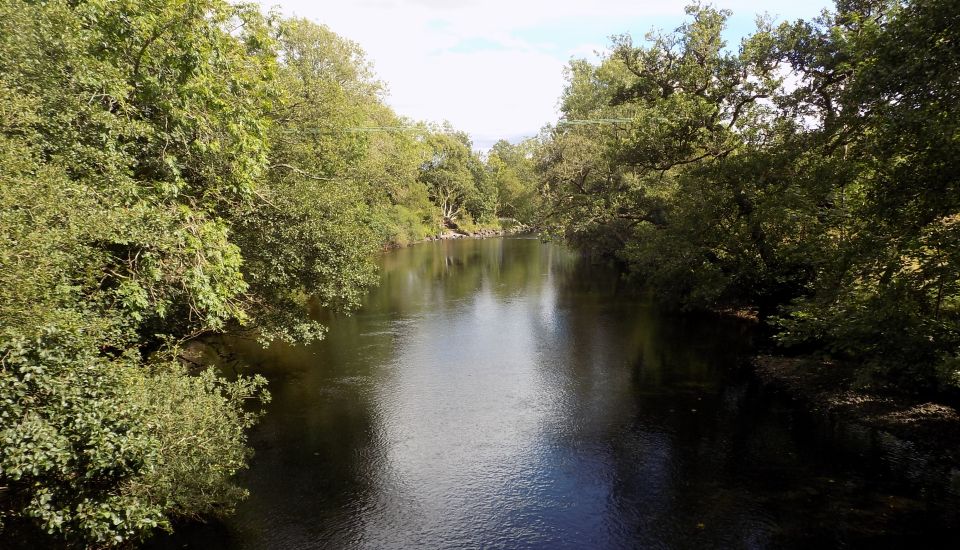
(512,170)
(811,174)
(642,166)
(308,234)
(455,177)
(128,129)
(880,79)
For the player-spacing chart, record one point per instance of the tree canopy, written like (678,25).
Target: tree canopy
(809,172)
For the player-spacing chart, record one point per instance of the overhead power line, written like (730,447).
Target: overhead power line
(594,121)
(360,129)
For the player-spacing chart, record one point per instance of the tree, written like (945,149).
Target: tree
(454,177)
(513,172)
(827,201)
(643,182)
(309,234)
(880,77)
(128,130)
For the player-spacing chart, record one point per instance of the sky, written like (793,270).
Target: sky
(494,68)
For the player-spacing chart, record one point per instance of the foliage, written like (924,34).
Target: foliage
(127,129)
(455,177)
(889,296)
(153,143)
(100,449)
(308,234)
(512,170)
(810,173)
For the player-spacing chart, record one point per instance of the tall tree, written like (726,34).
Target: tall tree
(455,178)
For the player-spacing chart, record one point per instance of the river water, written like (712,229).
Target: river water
(502,393)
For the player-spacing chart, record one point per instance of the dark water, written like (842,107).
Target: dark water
(503,394)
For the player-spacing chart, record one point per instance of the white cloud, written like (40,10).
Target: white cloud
(475,63)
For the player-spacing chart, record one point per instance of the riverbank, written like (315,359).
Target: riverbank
(478,234)
(829,388)
(452,234)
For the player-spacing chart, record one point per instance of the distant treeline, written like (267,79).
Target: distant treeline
(811,172)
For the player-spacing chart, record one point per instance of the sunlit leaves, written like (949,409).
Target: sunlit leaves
(812,173)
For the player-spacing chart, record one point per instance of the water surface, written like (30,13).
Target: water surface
(502,393)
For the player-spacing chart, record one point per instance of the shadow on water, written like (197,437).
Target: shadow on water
(502,393)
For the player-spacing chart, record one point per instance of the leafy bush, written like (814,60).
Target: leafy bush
(101,450)
(401,226)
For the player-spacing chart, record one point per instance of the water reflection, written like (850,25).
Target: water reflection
(500,393)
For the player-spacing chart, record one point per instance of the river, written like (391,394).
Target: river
(502,393)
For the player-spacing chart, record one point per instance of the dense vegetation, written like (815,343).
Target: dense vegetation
(175,168)
(813,174)
(168,169)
